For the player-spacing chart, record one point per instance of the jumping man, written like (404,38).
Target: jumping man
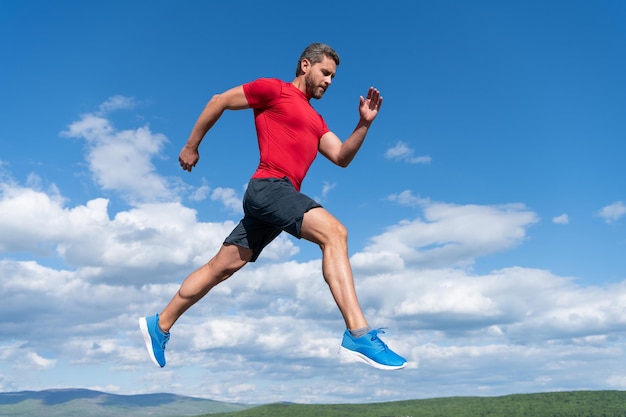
(290,133)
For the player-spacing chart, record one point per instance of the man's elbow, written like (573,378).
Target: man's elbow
(220,102)
(215,101)
(343,162)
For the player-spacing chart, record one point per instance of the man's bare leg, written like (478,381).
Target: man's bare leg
(228,260)
(320,227)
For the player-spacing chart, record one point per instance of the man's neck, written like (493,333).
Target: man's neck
(300,84)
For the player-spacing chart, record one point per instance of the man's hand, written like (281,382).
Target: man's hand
(369,106)
(188,158)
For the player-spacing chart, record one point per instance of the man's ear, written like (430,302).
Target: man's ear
(305,65)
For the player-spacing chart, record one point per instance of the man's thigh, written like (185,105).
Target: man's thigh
(318,226)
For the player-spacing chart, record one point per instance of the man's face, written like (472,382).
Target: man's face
(320,77)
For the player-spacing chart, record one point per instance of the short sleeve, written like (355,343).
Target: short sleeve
(262,91)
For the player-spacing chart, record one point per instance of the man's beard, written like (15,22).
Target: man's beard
(314,91)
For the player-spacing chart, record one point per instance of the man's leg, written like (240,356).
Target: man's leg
(228,260)
(320,227)
(155,329)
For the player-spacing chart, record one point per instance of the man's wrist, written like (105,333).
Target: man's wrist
(192,145)
(364,123)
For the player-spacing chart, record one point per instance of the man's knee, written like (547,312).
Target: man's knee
(334,232)
(339,230)
(229,259)
(322,227)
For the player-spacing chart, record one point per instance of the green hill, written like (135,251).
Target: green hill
(86,403)
(557,404)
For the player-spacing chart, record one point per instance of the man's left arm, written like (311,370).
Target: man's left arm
(342,153)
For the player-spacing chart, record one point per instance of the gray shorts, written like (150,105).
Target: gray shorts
(270,205)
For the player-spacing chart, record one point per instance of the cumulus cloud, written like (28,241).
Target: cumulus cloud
(516,325)
(77,275)
(447,321)
(402,152)
(613,212)
(156,237)
(450,234)
(121,160)
(24,357)
(200,193)
(229,199)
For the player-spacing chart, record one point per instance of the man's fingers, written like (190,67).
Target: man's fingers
(374,98)
(184,165)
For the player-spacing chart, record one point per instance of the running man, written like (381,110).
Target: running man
(290,133)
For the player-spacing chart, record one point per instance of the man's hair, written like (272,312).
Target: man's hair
(314,53)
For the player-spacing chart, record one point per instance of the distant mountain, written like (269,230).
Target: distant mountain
(87,403)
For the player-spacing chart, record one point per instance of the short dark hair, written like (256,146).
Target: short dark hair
(314,53)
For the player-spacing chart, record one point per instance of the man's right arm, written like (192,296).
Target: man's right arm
(233,99)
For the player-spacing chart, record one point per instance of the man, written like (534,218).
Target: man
(290,133)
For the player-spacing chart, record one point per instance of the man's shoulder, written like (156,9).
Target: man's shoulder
(268,80)
(262,91)
(267,84)
(274,87)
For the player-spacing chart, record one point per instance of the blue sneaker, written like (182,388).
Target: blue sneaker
(155,339)
(371,350)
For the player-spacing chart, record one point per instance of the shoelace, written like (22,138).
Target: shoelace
(166,338)
(376,339)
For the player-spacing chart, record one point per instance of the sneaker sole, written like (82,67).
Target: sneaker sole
(143,326)
(352,356)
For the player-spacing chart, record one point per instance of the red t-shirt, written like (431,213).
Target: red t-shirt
(288,129)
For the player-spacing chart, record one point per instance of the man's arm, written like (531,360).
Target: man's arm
(233,99)
(343,153)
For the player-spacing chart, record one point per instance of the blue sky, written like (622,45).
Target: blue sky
(486,209)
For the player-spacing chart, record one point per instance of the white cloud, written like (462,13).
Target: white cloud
(453,324)
(379,261)
(516,321)
(613,212)
(327,188)
(562,219)
(455,234)
(24,358)
(29,219)
(155,237)
(121,161)
(200,194)
(35,360)
(76,276)
(116,103)
(617,382)
(402,152)
(229,198)
(406,198)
